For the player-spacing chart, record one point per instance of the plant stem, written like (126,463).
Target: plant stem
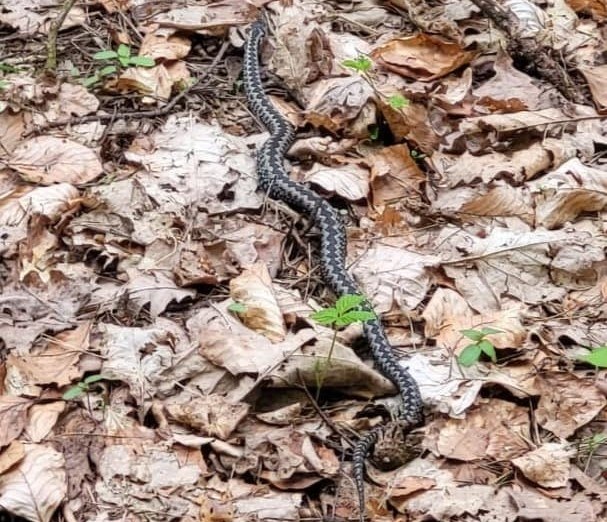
(325,365)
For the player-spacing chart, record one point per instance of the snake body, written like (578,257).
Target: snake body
(275,182)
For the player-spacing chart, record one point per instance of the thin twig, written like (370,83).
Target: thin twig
(51,53)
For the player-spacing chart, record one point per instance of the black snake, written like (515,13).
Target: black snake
(274,181)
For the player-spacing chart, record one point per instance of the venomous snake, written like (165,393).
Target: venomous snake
(274,181)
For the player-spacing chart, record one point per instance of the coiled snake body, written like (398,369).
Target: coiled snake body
(274,180)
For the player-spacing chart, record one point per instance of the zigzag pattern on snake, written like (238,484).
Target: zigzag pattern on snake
(274,180)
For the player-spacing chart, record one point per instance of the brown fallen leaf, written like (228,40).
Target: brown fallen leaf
(350,181)
(494,428)
(13,411)
(547,465)
(253,290)
(212,415)
(567,402)
(58,362)
(36,486)
(12,454)
(47,160)
(422,57)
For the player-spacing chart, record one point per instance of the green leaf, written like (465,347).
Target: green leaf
(354,316)
(142,61)
(124,51)
(107,70)
(347,302)
(94,378)
(90,80)
(73,392)
(361,64)
(469,355)
(373,132)
(597,357)
(488,349)
(398,101)
(124,62)
(105,55)
(473,335)
(489,331)
(327,316)
(237,308)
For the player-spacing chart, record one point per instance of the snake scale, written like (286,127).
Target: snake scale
(274,181)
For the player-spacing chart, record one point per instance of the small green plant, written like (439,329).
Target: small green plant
(347,310)
(472,353)
(121,58)
(588,446)
(237,308)
(360,64)
(83,386)
(596,357)
(398,101)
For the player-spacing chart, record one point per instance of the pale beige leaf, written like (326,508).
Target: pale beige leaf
(13,412)
(597,81)
(12,454)
(567,403)
(36,486)
(212,415)
(153,82)
(570,190)
(163,43)
(42,419)
(548,465)
(47,159)
(351,182)
(496,428)
(393,276)
(253,289)
(155,289)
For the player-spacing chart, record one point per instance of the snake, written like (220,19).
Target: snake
(273,180)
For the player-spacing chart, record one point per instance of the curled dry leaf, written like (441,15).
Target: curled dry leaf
(153,82)
(567,403)
(36,486)
(351,181)
(58,362)
(13,412)
(11,455)
(253,289)
(402,279)
(547,465)
(421,57)
(213,19)
(495,428)
(212,415)
(155,289)
(597,81)
(47,159)
(394,175)
(336,102)
(165,44)
(572,189)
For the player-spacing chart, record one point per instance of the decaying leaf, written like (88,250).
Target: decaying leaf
(547,465)
(36,486)
(253,290)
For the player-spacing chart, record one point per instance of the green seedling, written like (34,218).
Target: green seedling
(588,446)
(347,310)
(597,357)
(398,101)
(83,386)
(119,59)
(360,64)
(237,308)
(472,353)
